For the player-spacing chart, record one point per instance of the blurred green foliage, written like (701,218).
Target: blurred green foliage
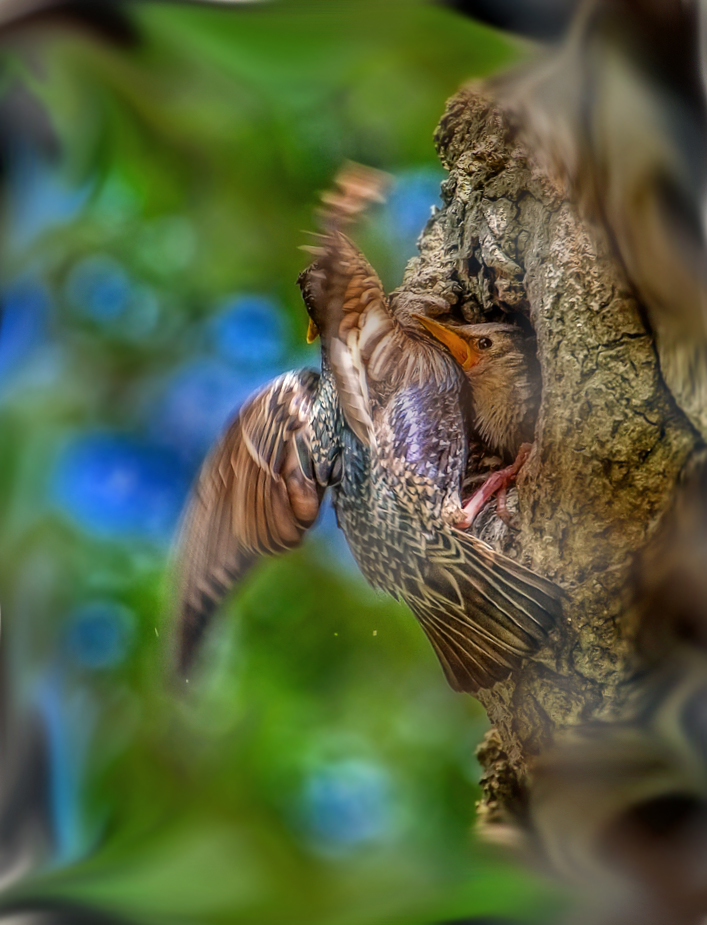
(319,770)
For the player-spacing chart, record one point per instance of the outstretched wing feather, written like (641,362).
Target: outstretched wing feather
(251,499)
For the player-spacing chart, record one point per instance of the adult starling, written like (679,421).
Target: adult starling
(383,427)
(502,370)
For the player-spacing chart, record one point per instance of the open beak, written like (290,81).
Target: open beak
(312,332)
(462,351)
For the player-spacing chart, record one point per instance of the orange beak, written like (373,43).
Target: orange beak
(312,332)
(462,351)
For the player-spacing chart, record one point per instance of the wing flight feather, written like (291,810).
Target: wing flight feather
(252,499)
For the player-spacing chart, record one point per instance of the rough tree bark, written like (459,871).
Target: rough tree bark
(610,440)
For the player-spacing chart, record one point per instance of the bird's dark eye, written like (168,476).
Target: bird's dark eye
(483,343)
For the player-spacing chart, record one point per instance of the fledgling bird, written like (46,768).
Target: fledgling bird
(383,427)
(502,370)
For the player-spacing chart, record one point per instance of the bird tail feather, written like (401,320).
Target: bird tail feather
(482,612)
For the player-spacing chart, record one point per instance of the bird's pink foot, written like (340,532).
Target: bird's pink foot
(496,484)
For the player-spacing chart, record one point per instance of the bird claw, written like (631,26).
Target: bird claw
(507,516)
(496,484)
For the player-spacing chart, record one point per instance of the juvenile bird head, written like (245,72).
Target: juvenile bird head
(480,349)
(501,368)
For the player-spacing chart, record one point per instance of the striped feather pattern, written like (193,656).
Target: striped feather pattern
(252,499)
(482,613)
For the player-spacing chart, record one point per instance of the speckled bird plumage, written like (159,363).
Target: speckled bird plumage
(384,428)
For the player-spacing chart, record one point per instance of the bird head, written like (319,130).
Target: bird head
(501,368)
(480,349)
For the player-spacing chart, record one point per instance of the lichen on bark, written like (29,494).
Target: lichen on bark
(610,440)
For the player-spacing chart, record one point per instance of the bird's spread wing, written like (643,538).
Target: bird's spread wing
(482,612)
(256,495)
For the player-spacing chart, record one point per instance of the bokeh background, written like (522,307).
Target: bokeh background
(155,192)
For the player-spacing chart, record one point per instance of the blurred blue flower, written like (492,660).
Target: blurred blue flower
(347,803)
(411,200)
(99,288)
(115,486)
(197,402)
(248,330)
(24,321)
(38,196)
(143,315)
(100,634)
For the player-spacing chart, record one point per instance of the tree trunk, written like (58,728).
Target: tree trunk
(610,439)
